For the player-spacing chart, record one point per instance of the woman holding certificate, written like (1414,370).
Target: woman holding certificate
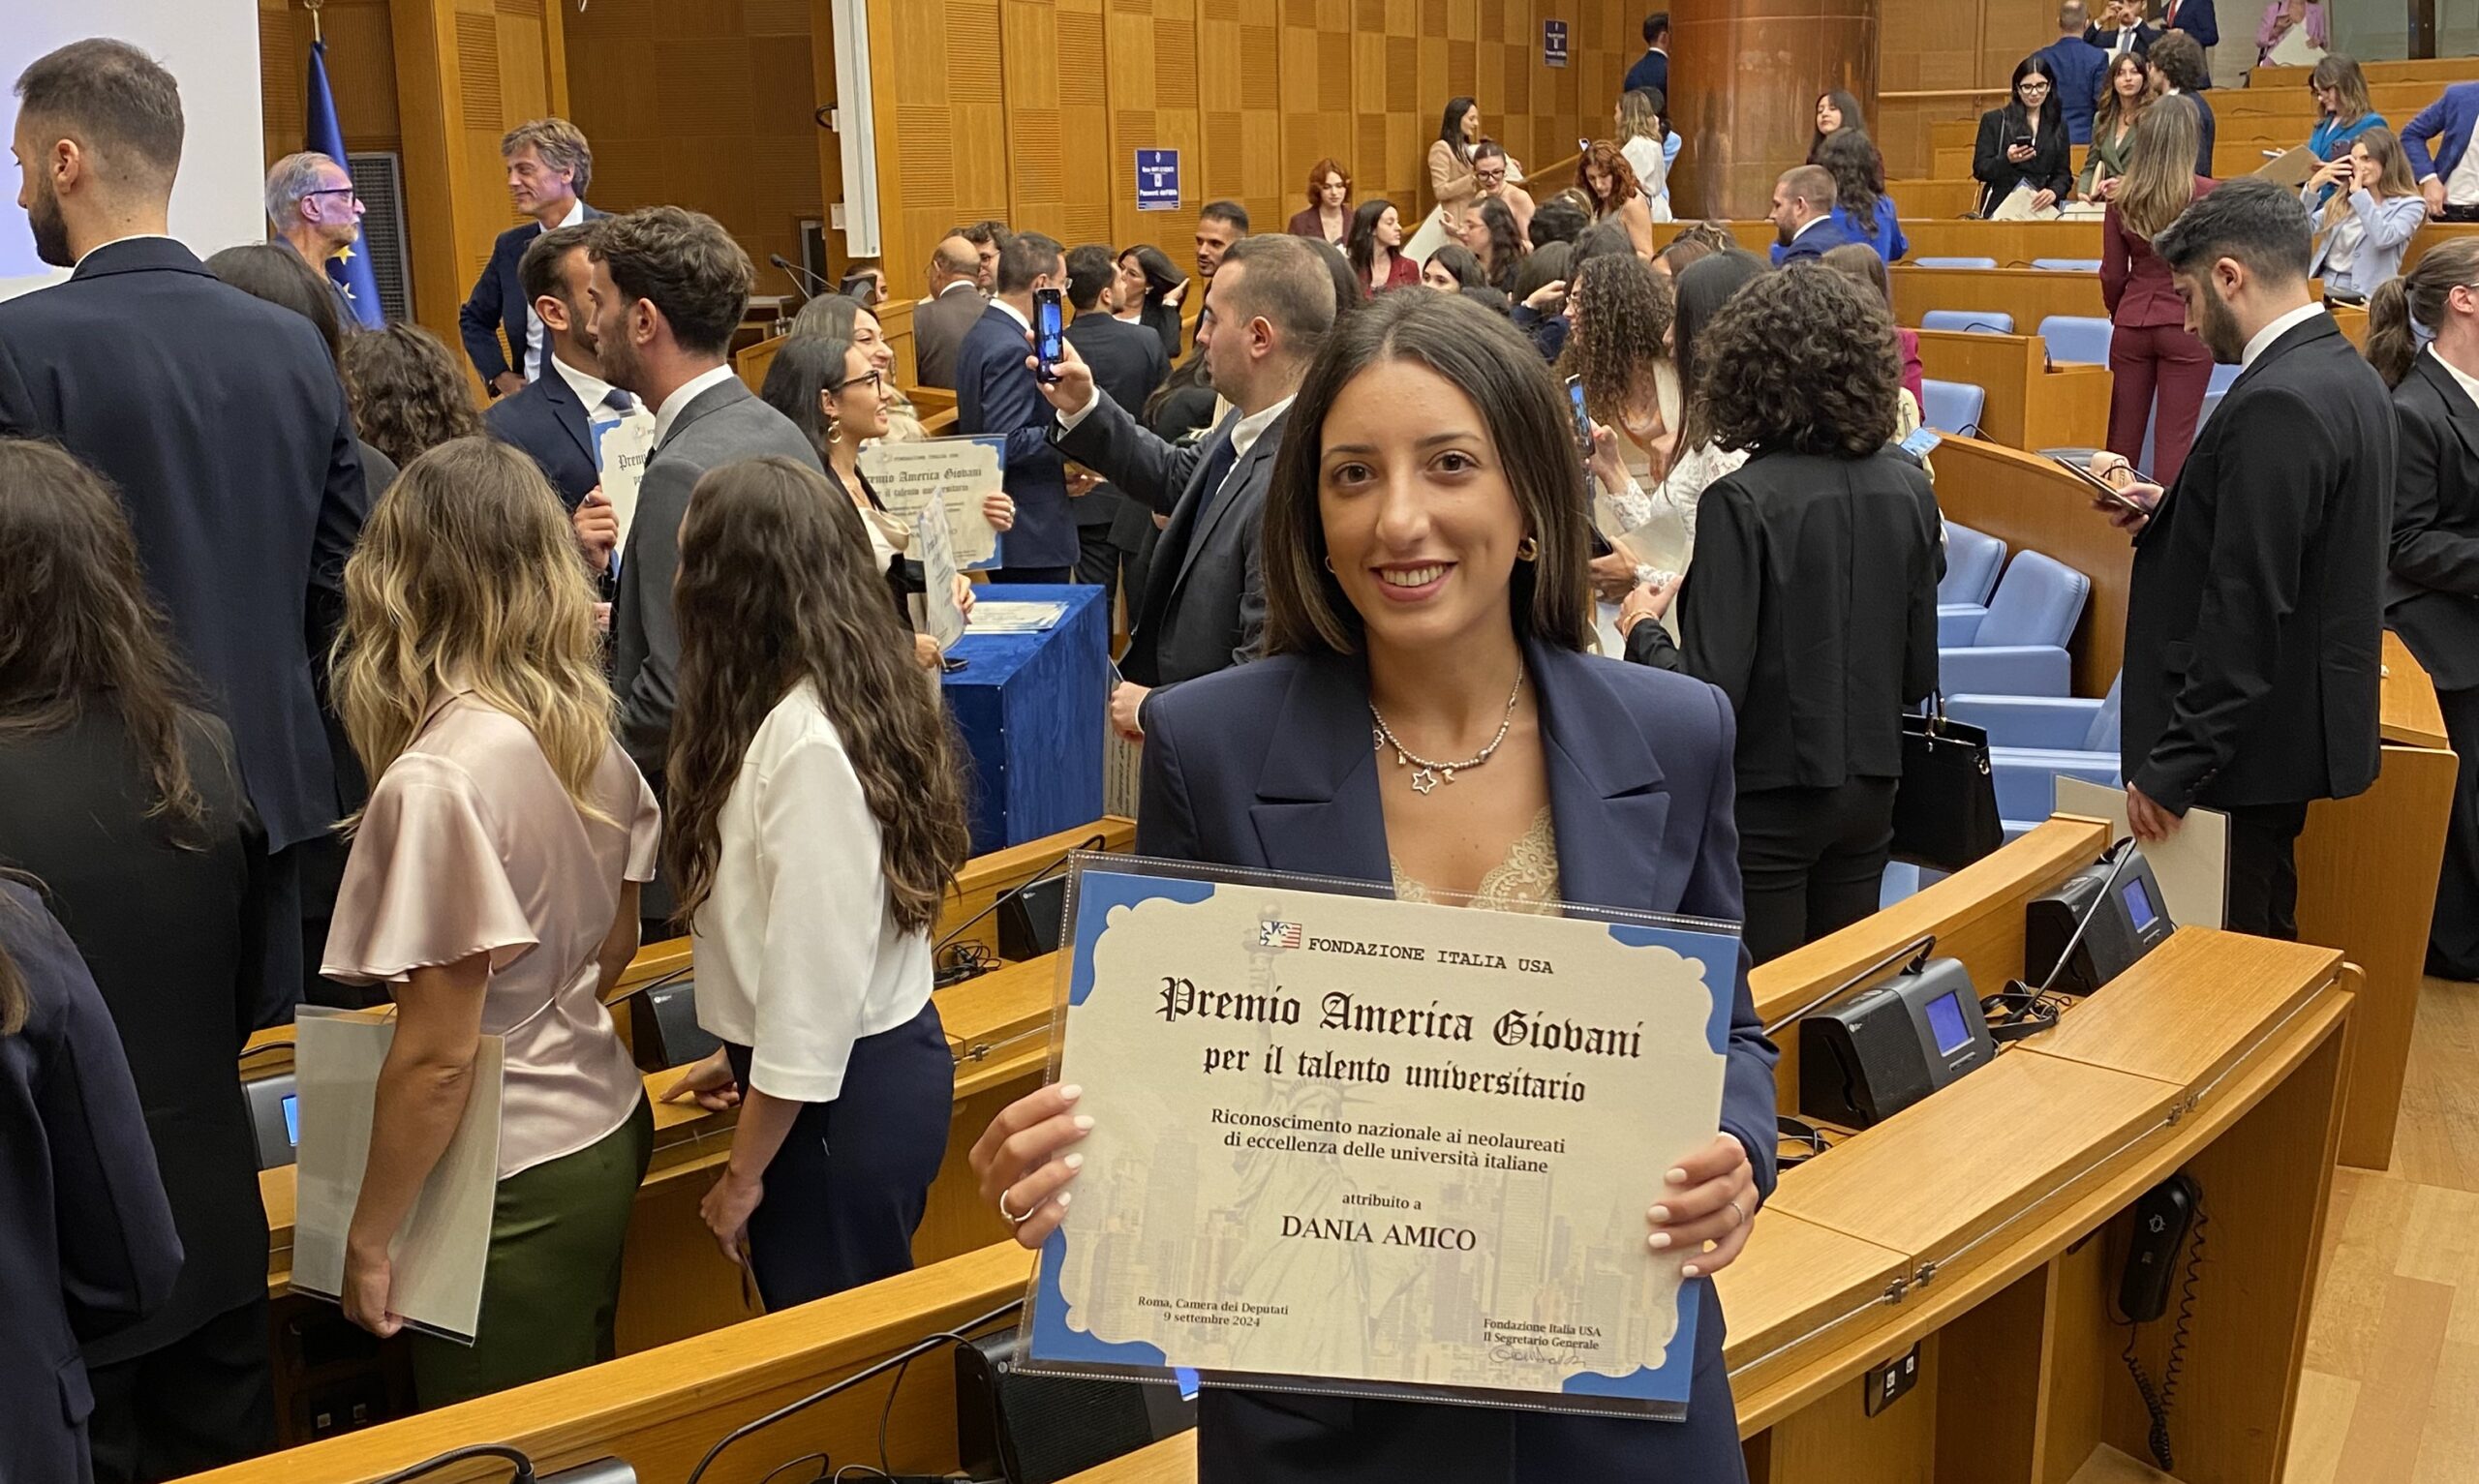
(1427,718)
(492,888)
(816,817)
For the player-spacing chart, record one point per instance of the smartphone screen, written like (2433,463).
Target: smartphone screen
(1583,419)
(2107,492)
(1049,330)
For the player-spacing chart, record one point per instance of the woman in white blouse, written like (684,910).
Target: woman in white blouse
(1641,142)
(818,816)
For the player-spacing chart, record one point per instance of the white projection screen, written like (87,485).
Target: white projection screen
(212,46)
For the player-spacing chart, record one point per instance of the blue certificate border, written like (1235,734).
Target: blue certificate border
(1099,889)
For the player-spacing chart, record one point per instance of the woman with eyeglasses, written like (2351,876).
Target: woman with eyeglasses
(2022,147)
(843,317)
(2340,89)
(1328,217)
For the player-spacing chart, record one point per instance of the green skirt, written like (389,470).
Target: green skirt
(552,1286)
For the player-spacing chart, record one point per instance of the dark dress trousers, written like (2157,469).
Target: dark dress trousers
(1128,363)
(219,418)
(996,394)
(939,327)
(548,422)
(1204,588)
(1812,604)
(1268,766)
(185,991)
(86,1239)
(2253,616)
(497,307)
(2051,166)
(2432,600)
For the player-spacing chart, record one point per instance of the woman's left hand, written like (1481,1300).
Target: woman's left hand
(1645,600)
(1607,464)
(999,511)
(726,1207)
(369,1281)
(964,595)
(1710,1196)
(2043,201)
(1613,575)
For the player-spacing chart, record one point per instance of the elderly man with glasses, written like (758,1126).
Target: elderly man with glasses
(315,210)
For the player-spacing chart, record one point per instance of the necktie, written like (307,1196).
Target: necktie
(619,401)
(1220,455)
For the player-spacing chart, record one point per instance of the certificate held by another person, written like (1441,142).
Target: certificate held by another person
(1380,1148)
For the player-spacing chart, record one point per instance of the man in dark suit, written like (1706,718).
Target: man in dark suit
(1128,363)
(2253,620)
(2177,64)
(2197,19)
(1803,214)
(548,166)
(996,394)
(1267,311)
(668,290)
(558,417)
(1652,69)
(2077,64)
(219,418)
(954,304)
(2121,28)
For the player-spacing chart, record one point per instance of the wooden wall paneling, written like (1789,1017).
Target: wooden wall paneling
(1239,105)
(1313,78)
(432,96)
(1153,75)
(1510,67)
(362,72)
(828,148)
(1037,163)
(1085,123)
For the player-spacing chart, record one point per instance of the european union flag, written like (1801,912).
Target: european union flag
(351,270)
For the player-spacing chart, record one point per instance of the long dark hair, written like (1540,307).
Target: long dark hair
(1505,245)
(78,628)
(2051,121)
(2421,294)
(776,586)
(805,369)
(274,272)
(1451,127)
(1701,288)
(1853,121)
(1527,421)
(1461,263)
(1859,174)
(1161,274)
(1360,245)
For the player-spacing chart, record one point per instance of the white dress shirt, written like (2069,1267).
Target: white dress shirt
(1244,434)
(2461,187)
(683,395)
(533,356)
(797,956)
(2468,383)
(2273,331)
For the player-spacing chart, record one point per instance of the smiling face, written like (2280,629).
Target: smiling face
(533,186)
(860,408)
(1214,237)
(869,338)
(1420,520)
(1472,126)
(1490,174)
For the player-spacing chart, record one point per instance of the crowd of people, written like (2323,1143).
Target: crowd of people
(277,572)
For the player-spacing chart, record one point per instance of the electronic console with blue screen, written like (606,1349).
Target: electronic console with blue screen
(1891,1045)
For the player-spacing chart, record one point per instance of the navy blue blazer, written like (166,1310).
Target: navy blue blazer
(219,418)
(1268,766)
(996,394)
(86,1239)
(2450,119)
(1831,232)
(2196,17)
(498,304)
(547,421)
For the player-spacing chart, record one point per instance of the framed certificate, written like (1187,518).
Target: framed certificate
(1350,1145)
(960,471)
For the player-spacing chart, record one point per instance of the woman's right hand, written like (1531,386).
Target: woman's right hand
(1605,463)
(1024,1163)
(710,1082)
(2020,153)
(1547,297)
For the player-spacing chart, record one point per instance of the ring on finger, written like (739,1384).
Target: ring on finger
(1735,1211)
(1013,1220)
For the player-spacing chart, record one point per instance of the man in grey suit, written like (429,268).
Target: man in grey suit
(1267,310)
(667,291)
(953,306)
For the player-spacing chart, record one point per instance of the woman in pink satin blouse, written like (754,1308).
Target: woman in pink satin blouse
(493,889)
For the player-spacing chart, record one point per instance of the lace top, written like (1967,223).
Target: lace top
(1526,881)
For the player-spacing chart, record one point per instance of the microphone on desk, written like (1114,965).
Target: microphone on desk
(602,1470)
(2026,1009)
(976,965)
(797,273)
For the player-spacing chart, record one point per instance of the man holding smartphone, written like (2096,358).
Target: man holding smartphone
(998,393)
(2254,621)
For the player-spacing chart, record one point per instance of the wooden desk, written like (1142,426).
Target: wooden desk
(1963,1226)
(2030,295)
(2032,404)
(2031,504)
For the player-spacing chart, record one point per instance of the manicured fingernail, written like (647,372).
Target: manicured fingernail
(1658,1216)
(1064,1197)
(1689,1270)
(1678,1178)
(1074,1161)
(1070,1092)
(1084,1123)
(1659,1240)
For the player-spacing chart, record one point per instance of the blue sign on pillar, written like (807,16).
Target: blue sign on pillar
(1554,43)
(1157,180)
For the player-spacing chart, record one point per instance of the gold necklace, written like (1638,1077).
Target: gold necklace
(1428,773)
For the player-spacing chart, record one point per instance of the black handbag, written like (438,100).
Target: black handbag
(1945,809)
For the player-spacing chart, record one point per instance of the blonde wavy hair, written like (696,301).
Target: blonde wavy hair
(467,574)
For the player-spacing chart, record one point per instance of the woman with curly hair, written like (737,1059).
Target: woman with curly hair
(1813,601)
(1609,182)
(1619,350)
(408,391)
(818,818)
(1488,230)
(493,889)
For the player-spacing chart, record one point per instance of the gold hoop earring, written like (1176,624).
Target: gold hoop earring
(1527,550)
(835,431)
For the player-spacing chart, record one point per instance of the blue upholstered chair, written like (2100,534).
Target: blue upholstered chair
(1971,321)
(1953,407)
(1953,262)
(2083,340)
(2018,647)
(2033,741)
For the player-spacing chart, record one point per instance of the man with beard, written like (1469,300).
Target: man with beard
(558,417)
(219,418)
(2254,619)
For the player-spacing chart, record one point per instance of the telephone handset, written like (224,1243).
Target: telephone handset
(2164,1219)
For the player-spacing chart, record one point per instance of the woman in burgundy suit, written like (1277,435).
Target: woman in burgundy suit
(2151,347)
